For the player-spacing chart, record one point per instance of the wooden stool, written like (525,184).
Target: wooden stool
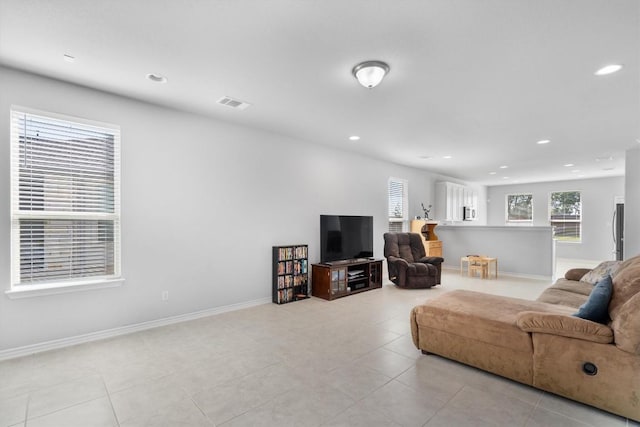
(477,264)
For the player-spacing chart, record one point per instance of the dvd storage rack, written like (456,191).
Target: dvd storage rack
(290,273)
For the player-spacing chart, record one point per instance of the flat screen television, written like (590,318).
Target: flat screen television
(345,237)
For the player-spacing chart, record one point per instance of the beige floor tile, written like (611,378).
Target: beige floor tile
(356,380)
(182,413)
(386,362)
(360,415)
(580,412)
(60,396)
(404,346)
(543,418)
(402,404)
(13,410)
(431,382)
(302,406)
(345,362)
(478,407)
(228,400)
(135,371)
(95,413)
(145,400)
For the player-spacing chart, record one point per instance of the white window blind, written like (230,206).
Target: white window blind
(65,199)
(397,204)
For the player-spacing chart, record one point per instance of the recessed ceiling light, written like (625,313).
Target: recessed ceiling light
(157,78)
(505,177)
(69,58)
(354,138)
(568,165)
(447,157)
(492,173)
(504,167)
(608,69)
(543,141)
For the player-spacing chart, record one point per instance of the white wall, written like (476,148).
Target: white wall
(597,211)
(202,203)
(632,203)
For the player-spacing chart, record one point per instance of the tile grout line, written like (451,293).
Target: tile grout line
(113,410)
(443,406)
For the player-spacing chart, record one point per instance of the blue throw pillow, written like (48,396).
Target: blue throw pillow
(596,308)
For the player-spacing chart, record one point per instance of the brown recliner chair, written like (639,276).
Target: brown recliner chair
(408,265)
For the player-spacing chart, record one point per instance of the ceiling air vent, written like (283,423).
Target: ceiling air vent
(233,103)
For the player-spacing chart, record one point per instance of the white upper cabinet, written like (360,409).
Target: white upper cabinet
(451,199)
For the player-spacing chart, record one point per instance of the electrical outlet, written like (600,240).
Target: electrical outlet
(165,295)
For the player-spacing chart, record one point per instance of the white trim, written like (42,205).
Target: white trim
(64,117)
(502,274)
(109,333)
(29,291)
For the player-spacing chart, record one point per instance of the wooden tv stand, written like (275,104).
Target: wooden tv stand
(342,278)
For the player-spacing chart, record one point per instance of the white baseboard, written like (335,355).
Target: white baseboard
(456,268)
(109,333)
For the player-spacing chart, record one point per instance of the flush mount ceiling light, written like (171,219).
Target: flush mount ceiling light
(609,69)
(157,78)
(354,138)
(543,141)
(370,73)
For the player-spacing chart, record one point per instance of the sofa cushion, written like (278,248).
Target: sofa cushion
(576,273)
(571,293)
(626,326)
(626,283)
(596,308)
(482,317)
(605,268)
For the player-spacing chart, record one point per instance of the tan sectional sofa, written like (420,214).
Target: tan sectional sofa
(540,343)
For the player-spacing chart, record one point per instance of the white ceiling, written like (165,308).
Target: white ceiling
(478,80)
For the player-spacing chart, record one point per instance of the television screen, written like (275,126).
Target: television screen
(345,237)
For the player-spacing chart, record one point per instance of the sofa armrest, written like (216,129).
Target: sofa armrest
(564,325)
(434,260)
(400,262)
(576,273)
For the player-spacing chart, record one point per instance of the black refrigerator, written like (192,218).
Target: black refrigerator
(618,230)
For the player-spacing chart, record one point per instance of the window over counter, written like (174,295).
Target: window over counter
(398,204)
(565,215)
(519,208)
(65,201)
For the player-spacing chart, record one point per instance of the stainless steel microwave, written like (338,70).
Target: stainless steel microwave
(469,213)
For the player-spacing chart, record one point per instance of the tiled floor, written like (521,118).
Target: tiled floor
(348,362)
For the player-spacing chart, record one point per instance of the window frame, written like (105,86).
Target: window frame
(577,240)
(394,220)
(518,221)
(21,289)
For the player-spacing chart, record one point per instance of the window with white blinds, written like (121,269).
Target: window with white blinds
(65,200)
(397,204)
